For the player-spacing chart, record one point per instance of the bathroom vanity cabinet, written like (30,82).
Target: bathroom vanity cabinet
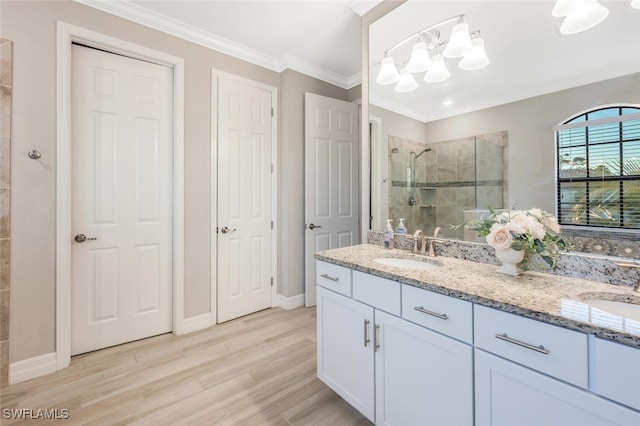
(404,355)
(531,373)
(393,371)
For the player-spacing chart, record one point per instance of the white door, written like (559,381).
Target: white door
(331,180)
(122,138)
(345,349)
(244,198)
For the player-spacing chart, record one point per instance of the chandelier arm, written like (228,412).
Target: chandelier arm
(424,30)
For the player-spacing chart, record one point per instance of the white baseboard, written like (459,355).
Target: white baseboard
(292,302)
(199,322)
(33,367)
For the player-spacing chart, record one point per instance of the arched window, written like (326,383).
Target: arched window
(598,169)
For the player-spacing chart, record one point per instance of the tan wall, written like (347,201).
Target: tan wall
(530,123)
(293,85)
(32,27)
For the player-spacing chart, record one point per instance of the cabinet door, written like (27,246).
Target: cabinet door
(509,394)
(345,349)
(617,372)
(422,377)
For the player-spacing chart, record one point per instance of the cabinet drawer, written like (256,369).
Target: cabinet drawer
(438,312)
(617,372)
(378,292)
(333,277)
(544,347)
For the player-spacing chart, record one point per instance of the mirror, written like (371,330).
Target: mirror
(537,78)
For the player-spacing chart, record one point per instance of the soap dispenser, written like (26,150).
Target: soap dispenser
(388,235)
(401,229)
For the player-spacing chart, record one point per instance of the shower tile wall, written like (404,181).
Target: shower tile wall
(492,170)
(6,88)
(445,181)
(422,214)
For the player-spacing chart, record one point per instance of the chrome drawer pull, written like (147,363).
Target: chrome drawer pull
(506,338)
(329,278)
(366,332)
(376,338)
(428,312)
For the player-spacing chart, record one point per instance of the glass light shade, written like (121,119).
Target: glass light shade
(476,57)
(459,41)
(562,8)
(419,60)
(635,4)
(388,73)
(406,83)
(583,15)
(438,71)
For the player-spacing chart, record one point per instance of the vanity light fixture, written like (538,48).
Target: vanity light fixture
(438,71)
(476,57)
(461,44)
(420,61)
(579,15)
(460,40)
(406,83)
(388,72)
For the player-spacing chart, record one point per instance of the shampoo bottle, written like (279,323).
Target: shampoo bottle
(388,235)
(401,229)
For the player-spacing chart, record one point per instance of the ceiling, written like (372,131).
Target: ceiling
(528,55)
(320,38)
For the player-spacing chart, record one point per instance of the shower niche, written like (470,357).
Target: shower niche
(446,183)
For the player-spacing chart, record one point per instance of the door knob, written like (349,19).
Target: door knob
(312,226)
(81,238)
(226,230)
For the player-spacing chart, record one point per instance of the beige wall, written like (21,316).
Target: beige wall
(530,124)
(32,27)
(293,85)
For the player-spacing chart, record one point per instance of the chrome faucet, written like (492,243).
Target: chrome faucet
(636,288)
(418,240)
(432,250)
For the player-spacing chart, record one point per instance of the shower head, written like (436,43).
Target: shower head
(415,156)
(395,150)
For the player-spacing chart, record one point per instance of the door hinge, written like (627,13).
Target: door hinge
(271,224)
(271,281)
(272,168)
(272,112)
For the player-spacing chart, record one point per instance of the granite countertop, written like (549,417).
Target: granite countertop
(549,298)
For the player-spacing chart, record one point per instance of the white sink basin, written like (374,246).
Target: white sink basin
(626,310)
(406,263)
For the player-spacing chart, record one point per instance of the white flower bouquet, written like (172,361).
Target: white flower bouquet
(534,231)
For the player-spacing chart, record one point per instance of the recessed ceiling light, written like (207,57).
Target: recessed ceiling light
(447,102)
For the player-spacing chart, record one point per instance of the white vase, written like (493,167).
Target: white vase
(510,259)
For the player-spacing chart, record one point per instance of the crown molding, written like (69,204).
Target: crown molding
(393,107)
(143,16)
(354,80)
(157,21)
(297,64)
(363,6)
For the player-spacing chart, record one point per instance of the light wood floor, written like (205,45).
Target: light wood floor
(256,370)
